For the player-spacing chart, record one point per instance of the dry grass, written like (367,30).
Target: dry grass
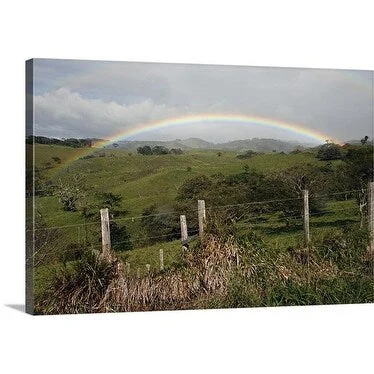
(216,273)
(102,285)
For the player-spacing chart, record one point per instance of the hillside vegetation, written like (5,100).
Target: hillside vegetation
(145,195)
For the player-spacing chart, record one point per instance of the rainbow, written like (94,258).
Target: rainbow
(213,118)
(218,118)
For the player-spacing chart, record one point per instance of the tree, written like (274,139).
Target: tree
(359,170)
(146,150)
(159,227)
(57,160)
(74,194)
(359,164)
(329,151)
(248,154)
(160,150)
(364,140)
(176,151)
(120,237)
(112,202)
(194,188)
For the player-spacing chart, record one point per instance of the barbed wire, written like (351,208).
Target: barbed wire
(284,218)
(210,208)
(336,193)
(147,238)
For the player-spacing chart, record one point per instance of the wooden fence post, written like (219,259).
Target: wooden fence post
(161,259)
(306,217)
(148,267)
(105,230)
(184,232)
(202,216)
(371,214)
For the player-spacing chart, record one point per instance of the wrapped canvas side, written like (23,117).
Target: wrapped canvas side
(30,191)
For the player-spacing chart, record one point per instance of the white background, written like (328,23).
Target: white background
(276,33)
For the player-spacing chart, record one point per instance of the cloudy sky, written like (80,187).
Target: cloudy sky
(100,99)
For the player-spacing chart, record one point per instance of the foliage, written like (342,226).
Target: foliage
(112,202)
(336,271)
(194,188)
(359,161)
(158,150)
(74,194)
(37,184)
(346,249)
(217,273)
(43,239)
(56,159)
(175,151)
(159,227)
(146,150)
(279,192)
(120,237)
(71,142)
(329,151)
(364,140)
(79,288)
(248,154)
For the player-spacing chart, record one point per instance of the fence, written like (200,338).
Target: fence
(82,232)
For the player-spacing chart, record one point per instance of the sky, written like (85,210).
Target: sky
(76,98)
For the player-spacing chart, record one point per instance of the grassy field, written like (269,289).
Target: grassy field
(145,180)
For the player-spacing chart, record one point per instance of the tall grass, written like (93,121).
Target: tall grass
(221,273)
(96,284)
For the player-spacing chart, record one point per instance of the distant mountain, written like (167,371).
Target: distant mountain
(134,144)
(254,144)
(197,143)
(263,145)
(358,142)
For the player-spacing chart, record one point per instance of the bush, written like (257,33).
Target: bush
(330,151)
(346,249)
(159,227)
(79,288)
(248,154)
(120,237)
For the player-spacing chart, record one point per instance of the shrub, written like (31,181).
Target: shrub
(120,237)
(329,151)
(159,227)
(346,249)
(248,154)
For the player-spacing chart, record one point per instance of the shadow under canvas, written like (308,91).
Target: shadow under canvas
(19,307)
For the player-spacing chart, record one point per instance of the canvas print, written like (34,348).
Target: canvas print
(158,186)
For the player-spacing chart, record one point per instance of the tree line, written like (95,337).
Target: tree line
(158,150)
(69,142)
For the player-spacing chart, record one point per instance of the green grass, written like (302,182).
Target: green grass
(140,257)
(141,180)
(145,180)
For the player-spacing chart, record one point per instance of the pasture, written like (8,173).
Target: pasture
(141,181)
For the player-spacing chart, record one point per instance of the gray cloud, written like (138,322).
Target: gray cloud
(88,98)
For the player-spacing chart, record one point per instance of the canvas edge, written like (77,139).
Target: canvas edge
(29,154)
